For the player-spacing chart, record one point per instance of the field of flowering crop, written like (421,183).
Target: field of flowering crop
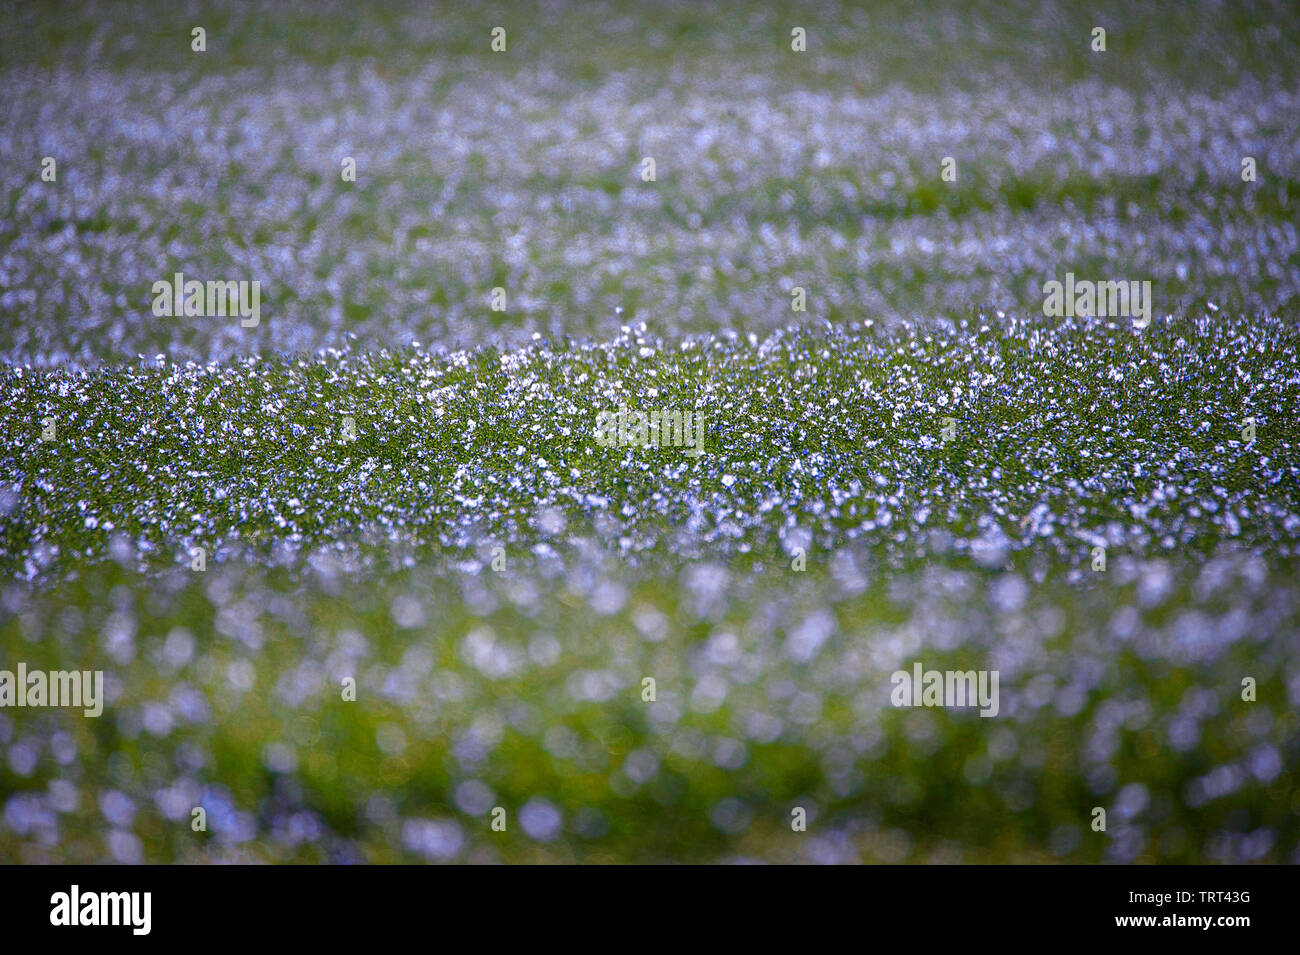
(365,582)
